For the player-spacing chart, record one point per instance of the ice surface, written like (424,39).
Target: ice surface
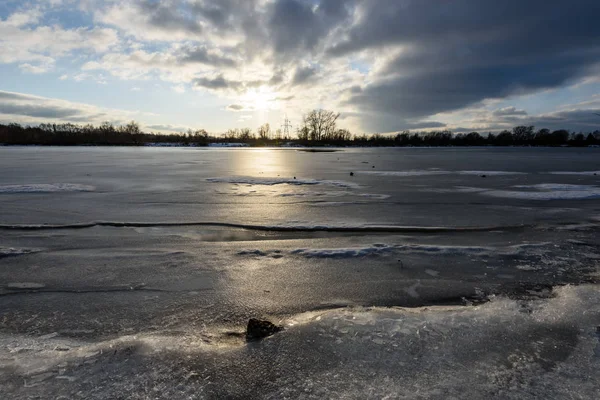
(46,188)
(434,172)
(282,181)
(584,173)
(549,191)
(148,284)
(504,349)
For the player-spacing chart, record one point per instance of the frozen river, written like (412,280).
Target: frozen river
(397,273)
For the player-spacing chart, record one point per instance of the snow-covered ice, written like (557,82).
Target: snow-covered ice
(282,181)
(434,172)
(46,188)
(548,191)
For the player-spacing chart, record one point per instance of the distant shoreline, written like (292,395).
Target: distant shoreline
(131,135)
(317,147)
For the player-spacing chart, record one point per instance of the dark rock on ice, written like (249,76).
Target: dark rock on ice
(351,173)
(259,329)
(484,176)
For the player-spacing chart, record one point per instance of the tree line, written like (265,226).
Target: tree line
(318,128)
(106,134)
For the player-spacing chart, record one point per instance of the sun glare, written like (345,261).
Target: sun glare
(260,99)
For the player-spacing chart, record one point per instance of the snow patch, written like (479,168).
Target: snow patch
(12,252)
(375,196)
(527,267)
(380,249)
(433,171)
(281,181)
(472,250)
(585,173)
(548,191)
(228,145)
(46,188)
(491,173)
(413,172)
(25,285)
(343,252)
(557,186)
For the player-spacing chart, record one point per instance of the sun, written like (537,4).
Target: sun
(259,99)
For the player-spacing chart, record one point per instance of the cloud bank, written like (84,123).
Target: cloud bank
(387,65)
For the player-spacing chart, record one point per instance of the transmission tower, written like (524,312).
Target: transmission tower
(287,126)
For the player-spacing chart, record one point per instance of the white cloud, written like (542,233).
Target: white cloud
(19,19)
(34,69)
(47,43)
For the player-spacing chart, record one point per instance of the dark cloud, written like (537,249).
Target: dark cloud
(441,57)
(577,120)
(224,14)
(499,23)
(463,51)
(297,26)
(277,78)
(585,120)
(303,74)
(235,107)
(385,123)
(218,83)
(169,16)
(201,55)
(420,92)
(15,96)
(38,110)
(216,14)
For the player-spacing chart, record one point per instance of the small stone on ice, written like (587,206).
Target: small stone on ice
(258,329)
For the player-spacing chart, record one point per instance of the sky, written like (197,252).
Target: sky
(385,65)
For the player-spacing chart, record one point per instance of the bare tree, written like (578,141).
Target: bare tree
(321,124)
(231,134)
(302,133)
(264,132)
(245,134)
